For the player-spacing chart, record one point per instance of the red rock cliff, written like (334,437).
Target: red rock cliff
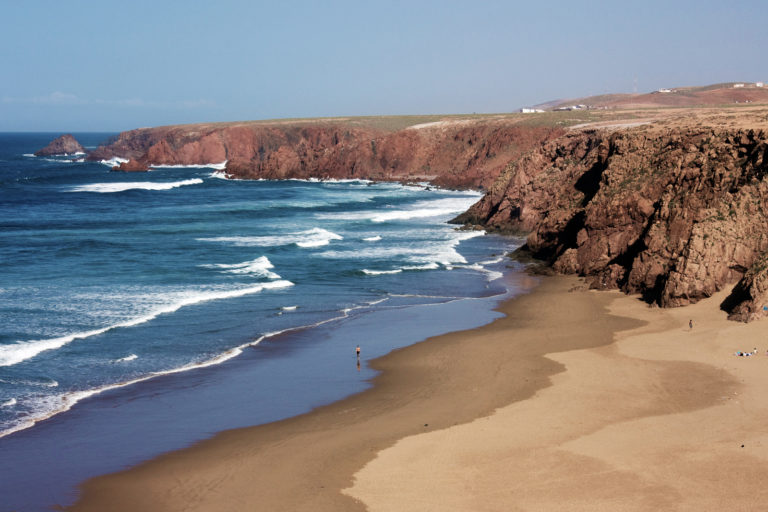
(675,216)
(466,153)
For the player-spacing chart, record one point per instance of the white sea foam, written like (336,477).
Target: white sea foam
(22,350)
(428,266)
(30,155)
(260,267)
(491,274)
(114,161)
(105,188)
(315,237)
(421,209)
(126,358)
(51,405)
(493,261)
(327,180)
(380,272)
(25,382)
(219,175)
(220,166)
(64,160)
(428,252)
(289,308)
(372,238)
(9,403)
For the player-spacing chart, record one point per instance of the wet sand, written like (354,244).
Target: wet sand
(576,400)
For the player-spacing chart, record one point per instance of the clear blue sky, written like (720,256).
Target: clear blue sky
(116,65)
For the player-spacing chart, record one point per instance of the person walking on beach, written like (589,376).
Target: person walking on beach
(690,324)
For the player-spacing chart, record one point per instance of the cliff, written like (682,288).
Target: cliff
(667,203)
(460,153)
(674,215)
(64,145)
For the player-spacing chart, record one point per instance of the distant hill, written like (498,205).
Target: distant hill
(710,95)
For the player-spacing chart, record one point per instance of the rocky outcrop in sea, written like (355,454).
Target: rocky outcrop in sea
(64,145)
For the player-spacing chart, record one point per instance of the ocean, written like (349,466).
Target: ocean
(144,311)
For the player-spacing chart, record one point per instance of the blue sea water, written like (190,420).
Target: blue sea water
(112,285)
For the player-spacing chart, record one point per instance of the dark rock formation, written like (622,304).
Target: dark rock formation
(64,145)
(130,166)
(455,153)
(674,216)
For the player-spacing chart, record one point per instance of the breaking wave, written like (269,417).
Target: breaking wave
(219,167)
(421,209)
(107,188)
(114,161)
(260,267)
(20,351)
(315,237)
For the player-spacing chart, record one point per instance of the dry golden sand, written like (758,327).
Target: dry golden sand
(655,421)
(576,400)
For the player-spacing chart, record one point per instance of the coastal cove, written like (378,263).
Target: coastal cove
(575,399)
(210,301)
(147,312)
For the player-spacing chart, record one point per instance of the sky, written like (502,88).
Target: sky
(113,65)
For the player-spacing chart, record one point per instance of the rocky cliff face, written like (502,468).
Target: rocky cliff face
(674,216)
(64,145)
(462,153)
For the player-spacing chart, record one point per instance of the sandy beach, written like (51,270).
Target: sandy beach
(575,400)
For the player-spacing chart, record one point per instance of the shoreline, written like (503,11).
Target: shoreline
(417,391)
(283,377)
(667,417)
(575,399)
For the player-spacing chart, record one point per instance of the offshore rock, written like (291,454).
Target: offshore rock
(675,215)
(64,145)
(131,166)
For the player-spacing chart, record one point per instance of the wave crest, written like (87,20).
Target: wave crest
(315,237)
(260,267)
(22,350)
(106,188)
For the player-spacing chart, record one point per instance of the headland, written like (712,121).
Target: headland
(577,398)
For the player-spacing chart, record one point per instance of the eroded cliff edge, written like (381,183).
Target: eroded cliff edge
(670,205)
(465,153)
(674,215)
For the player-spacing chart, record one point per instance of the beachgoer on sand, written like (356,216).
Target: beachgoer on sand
(690,324)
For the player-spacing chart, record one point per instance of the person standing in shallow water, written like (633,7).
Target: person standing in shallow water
(357,351)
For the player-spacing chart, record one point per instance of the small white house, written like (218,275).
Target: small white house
(759,84)
(530,110)
(738,86)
